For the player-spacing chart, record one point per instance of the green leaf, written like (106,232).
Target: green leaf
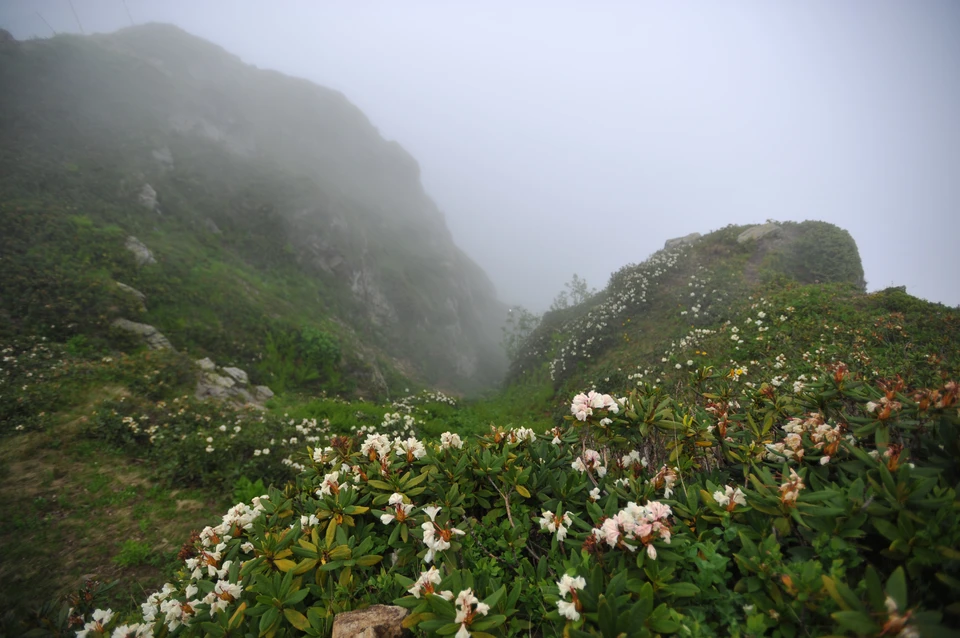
(296,619)
(856,621)
(296,597)
(681,589)
(488,623)
(897,588)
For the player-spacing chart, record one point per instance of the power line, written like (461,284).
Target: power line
(46,23)
(76,16)
(130,17)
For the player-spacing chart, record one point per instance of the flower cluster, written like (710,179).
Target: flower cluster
(790,490)
(590,461)
(436,538)
(468,608)
(637,524)
(425,585)
(584,404)
(825,437)
(569,585)
(450,440)
(729,498)
(552,524)
(400,512)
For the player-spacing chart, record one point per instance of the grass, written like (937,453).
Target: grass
(77,509)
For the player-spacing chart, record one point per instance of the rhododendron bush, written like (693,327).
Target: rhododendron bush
(827,511)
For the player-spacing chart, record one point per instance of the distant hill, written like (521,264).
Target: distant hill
(277,215)
(675,311)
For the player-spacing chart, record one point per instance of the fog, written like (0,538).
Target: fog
(572,137)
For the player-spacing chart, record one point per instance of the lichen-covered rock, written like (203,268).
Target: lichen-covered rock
(238,375)
(164,157)
(757,232)
(148,197)
(229,384)
(154,338)
(140,252)
(377,621)
(680,241)
(142,298)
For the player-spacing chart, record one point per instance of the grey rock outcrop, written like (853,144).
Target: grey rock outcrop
(142,298)
(238,375)
(692,238)
(164,157)
(154,338)
(140,252)
(377,621)
(229,384)
(211,225)
(148,197)
(758,232)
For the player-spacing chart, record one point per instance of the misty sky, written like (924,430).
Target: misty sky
(563,137)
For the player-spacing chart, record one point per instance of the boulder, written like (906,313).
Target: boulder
(378,621)
(229,384)
(219,380)
(680,241)
(211,225)
(140,252)
(238,375)
(758,232)
(155,340)
(142,298)
(148,197)
(164,157)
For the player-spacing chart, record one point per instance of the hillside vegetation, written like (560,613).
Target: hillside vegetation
(731,439)
(276,215)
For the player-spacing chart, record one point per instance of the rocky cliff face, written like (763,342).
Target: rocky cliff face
(175,130)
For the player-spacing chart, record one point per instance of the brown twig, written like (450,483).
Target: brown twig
(506,500)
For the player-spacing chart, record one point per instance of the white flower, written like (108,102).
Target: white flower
(432,511)
(568,610)
(430,577)
(568,583)
(450,440)
(595,494)
(652,552)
